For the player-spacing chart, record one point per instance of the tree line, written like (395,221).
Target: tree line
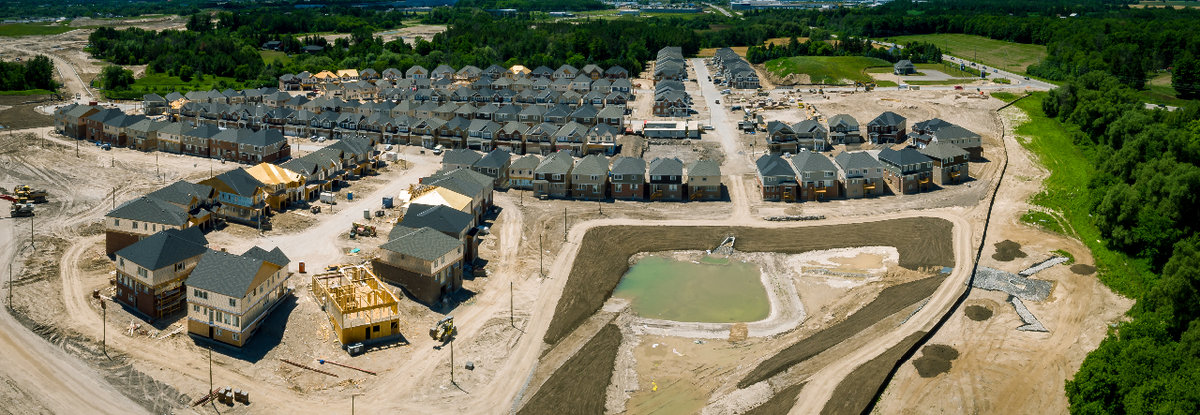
(35,73)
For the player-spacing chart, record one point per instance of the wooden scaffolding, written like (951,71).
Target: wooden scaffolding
(358,304)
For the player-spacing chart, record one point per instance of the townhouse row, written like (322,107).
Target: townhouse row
(887,128)
(808,175)
(517,76)
(734,71)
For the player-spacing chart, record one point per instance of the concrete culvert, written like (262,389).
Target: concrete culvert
(978,312)
(1083,269)
(1007,250)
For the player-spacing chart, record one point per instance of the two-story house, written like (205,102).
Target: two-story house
(150,273)
(665,179)
(860,174)
(427,263)
(704,180)
(230,296)
(816,176)
(589,178)
(628,178)
(906,170)
(552,177)
(950,164)
(776,179)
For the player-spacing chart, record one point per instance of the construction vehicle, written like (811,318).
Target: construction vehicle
(444,330)
(358,229)
(30,194)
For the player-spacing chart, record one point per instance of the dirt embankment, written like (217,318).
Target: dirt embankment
(890,301)
(604,253)
(579,386)
(853,396)
(19,111)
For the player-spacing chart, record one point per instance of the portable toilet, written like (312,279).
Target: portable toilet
(388,202)
(349,195)
(367,214)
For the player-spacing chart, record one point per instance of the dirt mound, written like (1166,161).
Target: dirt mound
(935,360)
(978,312)
(1083,269)
(1007,250)
(781,403)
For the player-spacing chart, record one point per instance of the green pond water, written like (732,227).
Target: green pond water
(716,290)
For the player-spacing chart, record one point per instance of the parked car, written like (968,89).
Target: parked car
(718,102)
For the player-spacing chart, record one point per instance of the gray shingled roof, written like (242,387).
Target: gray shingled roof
(704,168)
(774,165)
(441,218)
(629,165)
(942,150)
(226,274)
(932,125)
(556,163)
(165,248)
(592,165)
(149,209)
(952,132)
(529,161)
(856,160)
(810,162)
(274,256)
(460,156)
(904,157)
(181,192)
(887,118)
(494,159)
(240,181)
(666,167)
(424,243)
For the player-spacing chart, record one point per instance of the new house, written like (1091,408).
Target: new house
(139,218)
(843,129)
(150,274)
(704,180)
(425,262)
(776,179)
(816,176)
(666,179)
(552,177)
(906,170)
(229,296)
(628,178)
(861,174)
(950,164)
(888,127)
(589,178)
(242,197)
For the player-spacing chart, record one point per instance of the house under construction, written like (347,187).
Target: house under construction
(359,305)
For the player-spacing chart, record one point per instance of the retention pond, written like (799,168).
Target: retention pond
(714,290)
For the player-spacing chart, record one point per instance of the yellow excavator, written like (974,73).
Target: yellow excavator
(444,330)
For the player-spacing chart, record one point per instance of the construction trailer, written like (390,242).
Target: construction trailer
(359,305)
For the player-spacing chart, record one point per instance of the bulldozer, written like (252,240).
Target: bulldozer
(444,330)
(30,194)
(20,206)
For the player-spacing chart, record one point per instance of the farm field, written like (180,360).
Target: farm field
(1013,57)
(825,69)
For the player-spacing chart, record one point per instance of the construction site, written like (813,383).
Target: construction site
(526,312)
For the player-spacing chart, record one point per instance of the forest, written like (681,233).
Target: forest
(35,73)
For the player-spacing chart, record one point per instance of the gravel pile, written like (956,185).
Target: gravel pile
(1041,266)
(1027,289)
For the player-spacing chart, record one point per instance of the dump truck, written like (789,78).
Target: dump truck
(444,330)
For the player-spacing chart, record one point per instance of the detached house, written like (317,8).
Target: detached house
(843,129)
(230,296)
(906,170)
(242,197)
(950,164)
(139,218)
(704,180)
(150,274)
(861,174)
(552,177)
(520,172)
(776,178)
(816,176)
(666,179)
(494,164)
(888,127)
(628,178)
(589,178)
(425,262)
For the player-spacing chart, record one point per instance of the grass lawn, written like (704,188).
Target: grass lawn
(1013,57)
(1005,96)
(943,82)
(1065,192)
(949,68)
(827,69)
(163,84)
(34,29)
(1159,91)
(280,58)
(1042,220)
(27,92)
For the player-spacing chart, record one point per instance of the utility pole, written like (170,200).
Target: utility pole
(31,245)
(103,326)
(210,377)
(10,284)
(114,198)
(452,361)
(564,225)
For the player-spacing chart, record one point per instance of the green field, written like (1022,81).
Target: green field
(34,29)
(1009,56)
(1005,96)
(279,58)
(163,84)
(1065,193)
(1159,91)
(27,92)
(829,70)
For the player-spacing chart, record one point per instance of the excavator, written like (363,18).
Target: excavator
(20,207)
(444,330)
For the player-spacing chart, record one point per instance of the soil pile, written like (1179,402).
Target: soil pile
(1083,269)
(935,360)
(978,312)
(1007,250)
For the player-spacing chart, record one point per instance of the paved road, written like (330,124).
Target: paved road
(719,9)
(737,163)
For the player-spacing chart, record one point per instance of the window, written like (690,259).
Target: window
(142,272)
(200,294)
(116,222)
(135,225)
(235,336)
(237,322)
(232,302)
(121,261)
(195,308)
